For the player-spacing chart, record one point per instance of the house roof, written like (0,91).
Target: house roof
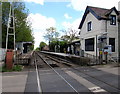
(99,13)
(75,41)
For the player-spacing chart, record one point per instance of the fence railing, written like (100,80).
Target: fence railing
(22,58)
(93,59)
(96,60)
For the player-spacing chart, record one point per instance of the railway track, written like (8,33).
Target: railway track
(74,67)
(52,66)
(52,63)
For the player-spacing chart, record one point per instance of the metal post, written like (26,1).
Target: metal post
(11,17)
(0,24)
(8,25)
(96,49)
(11,25)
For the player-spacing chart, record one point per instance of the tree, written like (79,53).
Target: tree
(23,29)
(51,36)
(37,49)
(42,44)
(70,35)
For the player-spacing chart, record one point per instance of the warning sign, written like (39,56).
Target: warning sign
(101,52)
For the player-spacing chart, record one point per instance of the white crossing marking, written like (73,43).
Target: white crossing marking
(96,89)
(92,87)
(38,79)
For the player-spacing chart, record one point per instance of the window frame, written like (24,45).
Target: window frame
(112,21)
(89,26)
(113,45)
(90,46)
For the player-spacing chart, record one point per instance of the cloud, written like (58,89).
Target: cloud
(41,2)
(80,5)
(67,16)
(38,35)
(74,25)
(39,23)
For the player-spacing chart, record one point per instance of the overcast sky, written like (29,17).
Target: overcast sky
(61,14)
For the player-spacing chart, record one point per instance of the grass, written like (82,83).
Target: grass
(15,68)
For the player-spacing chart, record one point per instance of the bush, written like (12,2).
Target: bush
(15,68)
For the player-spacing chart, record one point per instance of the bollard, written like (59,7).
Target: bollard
(106,53)
(9,59)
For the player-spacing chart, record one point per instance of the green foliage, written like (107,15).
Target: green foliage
(70,35)
(15,68)
(37,49)
(51,34)
(52,37)
(42,44)
(23,29)
(58,45)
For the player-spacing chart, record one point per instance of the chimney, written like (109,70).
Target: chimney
(119,6)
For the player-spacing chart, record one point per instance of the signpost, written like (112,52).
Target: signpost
(107,50)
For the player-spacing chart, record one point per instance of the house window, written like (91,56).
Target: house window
(89,26)
(89,44)
(113,20)
(112,43)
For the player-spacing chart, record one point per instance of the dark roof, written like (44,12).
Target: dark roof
(77,41)
(99,13)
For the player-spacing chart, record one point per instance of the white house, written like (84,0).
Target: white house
(100,25)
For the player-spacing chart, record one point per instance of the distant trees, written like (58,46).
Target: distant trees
(52,37)
(70,35)
(59,44)
(51,34)
(42,45)
(22,27)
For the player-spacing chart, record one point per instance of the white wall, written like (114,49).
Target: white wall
(98,27)
(2,54)
(113,33)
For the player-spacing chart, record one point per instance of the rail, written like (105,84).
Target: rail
(88,59)
(59,74)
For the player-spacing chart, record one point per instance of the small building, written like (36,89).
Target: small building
(23,47)
(100,26)
(74,47)
(45,48)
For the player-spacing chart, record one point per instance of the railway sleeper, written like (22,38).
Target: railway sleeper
(60,61)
